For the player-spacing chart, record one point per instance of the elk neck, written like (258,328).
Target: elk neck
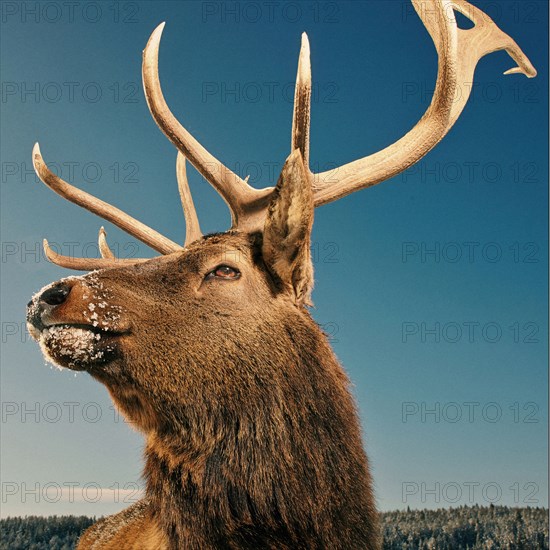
(269,463)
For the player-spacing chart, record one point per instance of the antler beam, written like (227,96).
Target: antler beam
(458,51)
(239,196)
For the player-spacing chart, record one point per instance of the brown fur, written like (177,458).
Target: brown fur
(132,529)
(252,436)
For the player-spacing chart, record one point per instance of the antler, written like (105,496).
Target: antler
(104,249)
(192,227)
(458,52)
(242,199)
(127,223)
(89,264)
(108,212)
(302,103)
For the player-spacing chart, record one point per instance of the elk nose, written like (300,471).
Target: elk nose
(46,303)
(56,295)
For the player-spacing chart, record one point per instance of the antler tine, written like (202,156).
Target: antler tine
(238,195)
(87,264)
(192,227)
(302,103)
(458,51)
(108,212)
(473,44)
(104,249)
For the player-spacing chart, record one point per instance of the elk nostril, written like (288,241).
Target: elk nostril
(56,295)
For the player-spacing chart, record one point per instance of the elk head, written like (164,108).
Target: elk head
(215,334)
(190,319)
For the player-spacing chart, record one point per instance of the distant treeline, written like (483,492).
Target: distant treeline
(461,528)
(466,528)
(40,533)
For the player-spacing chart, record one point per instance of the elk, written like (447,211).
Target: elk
(252,438)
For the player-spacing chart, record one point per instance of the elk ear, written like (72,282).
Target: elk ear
(287,230)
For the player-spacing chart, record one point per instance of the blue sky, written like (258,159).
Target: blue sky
(433,284)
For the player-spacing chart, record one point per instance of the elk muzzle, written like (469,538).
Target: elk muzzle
(75,323)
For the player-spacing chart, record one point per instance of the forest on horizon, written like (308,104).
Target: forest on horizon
(462,528)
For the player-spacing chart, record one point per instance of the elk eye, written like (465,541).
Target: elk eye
(224,272)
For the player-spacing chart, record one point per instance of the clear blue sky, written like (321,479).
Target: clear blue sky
(456,245)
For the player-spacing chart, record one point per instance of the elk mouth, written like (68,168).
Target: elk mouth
(78,346)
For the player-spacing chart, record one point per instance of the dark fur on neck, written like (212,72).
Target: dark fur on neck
(282,467)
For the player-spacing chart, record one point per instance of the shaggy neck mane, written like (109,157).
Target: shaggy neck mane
(287,468)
